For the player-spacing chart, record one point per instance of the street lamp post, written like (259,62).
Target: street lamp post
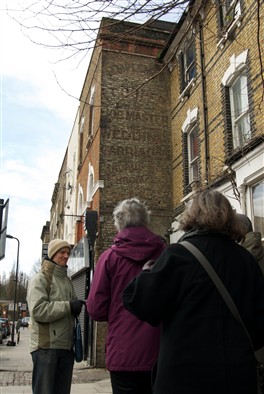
(12,342)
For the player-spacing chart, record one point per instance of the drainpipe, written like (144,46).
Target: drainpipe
(204,100)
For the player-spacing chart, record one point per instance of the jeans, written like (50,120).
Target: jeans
(124,382)
(52,371)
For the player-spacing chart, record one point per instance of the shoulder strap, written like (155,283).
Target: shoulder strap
(217,281)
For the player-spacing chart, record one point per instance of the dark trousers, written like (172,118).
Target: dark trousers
(131,382)
(52,371)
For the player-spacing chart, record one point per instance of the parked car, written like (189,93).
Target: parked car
(8,325)
(1,336)
(3,328)
(25,321)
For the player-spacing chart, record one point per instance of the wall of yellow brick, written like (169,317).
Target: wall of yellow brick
(216,61)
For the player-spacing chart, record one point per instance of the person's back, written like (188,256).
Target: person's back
(132,345)
(203,348)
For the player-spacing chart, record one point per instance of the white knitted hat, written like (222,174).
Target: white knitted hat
(55,245)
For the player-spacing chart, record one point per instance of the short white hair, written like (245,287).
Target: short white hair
(131,213)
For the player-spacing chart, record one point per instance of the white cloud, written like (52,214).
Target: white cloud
(36,121)
(39,66)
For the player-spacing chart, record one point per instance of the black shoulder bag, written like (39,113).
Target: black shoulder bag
(228,300)
(78,347)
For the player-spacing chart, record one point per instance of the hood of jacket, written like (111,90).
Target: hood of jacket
(137,243)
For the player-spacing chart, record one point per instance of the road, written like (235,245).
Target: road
(16,370)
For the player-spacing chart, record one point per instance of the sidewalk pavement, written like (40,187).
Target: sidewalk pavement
(16,370)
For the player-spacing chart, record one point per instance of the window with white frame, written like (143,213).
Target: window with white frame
(187,63)
(240,111)
(230,10)
(193,153)
(81,124)
(80,201)
(190,129)
(90,183)
(235,79)
(91,111)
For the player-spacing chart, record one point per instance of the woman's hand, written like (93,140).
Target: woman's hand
(148,265)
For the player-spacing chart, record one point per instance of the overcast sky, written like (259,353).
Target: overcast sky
(35,124)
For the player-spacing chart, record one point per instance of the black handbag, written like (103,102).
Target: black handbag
(78,346)
(229,301)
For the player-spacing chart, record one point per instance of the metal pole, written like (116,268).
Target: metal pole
(12,342)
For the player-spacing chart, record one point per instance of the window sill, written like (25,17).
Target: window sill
(187,89)
(236,23)
(89,141)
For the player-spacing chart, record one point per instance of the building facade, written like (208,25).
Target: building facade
(165,109)
(124,133)
(217,106)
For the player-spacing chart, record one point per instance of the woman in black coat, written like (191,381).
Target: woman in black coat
(203,348)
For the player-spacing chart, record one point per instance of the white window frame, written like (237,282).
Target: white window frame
(190,125)
(81,124)
(91,109)
(227,10)
(232,75)
(235,22)
(80,201)
(192,161)
(90,183)
(240,117)
(189,66)
(186,79)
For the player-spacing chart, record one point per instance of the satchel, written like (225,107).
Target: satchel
(78,346)
(229,302)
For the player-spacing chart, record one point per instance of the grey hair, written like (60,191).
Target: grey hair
(131,213)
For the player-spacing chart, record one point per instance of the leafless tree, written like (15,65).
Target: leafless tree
(8,285)
(36,267)
(73,24)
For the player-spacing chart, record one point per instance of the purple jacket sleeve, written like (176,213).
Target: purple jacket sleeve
(99,297)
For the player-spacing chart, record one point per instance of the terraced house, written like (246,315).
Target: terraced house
(166,108)
(216,70)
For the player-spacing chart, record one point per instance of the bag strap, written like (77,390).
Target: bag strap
(218,283)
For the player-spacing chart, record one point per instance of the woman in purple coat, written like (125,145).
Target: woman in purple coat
(203,348)
(131,345)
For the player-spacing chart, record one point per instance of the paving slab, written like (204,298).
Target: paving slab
(16,371)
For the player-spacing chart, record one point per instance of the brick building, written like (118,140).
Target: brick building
(124,133)
(124,136)
(217,105)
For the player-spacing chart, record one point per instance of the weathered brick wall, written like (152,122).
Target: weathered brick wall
(131,148)
(134,146)
(135,142)
(58,203)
